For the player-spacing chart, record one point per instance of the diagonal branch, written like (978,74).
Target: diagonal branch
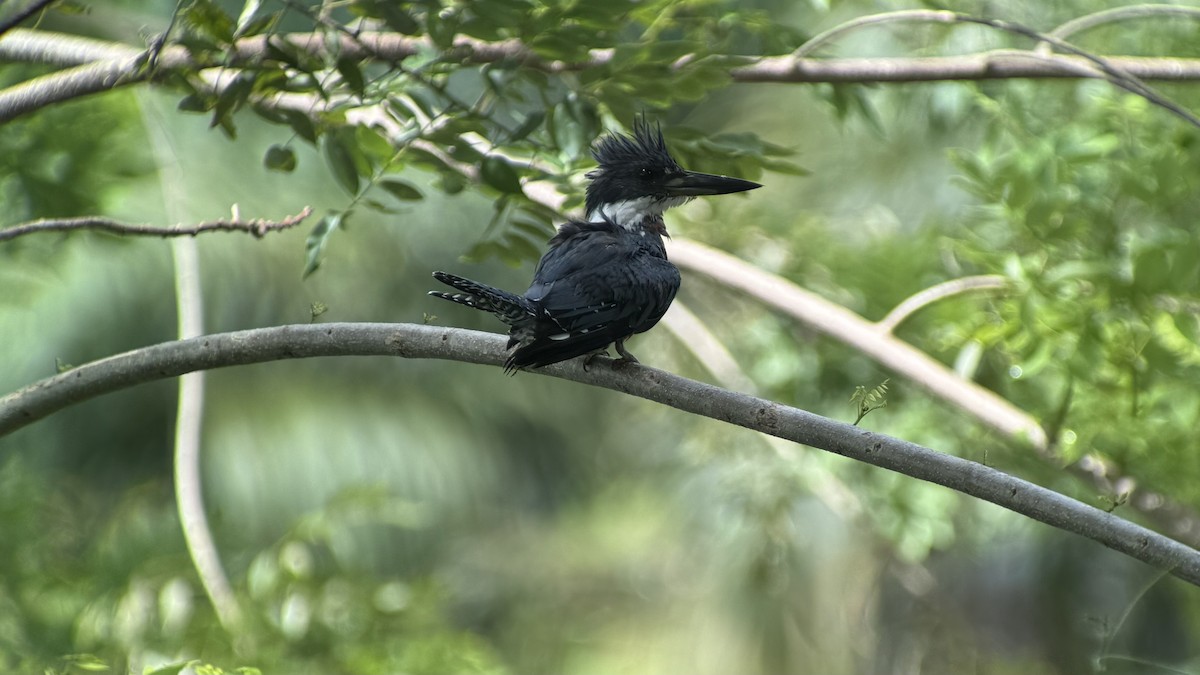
(853,330)
(172,359)
(708,350)
(258,227)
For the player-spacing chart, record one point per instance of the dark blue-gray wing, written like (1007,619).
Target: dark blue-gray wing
(630,297)
(580,251)
(595,288)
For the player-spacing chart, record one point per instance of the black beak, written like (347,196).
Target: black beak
(692,184)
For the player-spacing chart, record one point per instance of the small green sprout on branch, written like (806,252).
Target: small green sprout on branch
(1111,503)
(869,399)
(316,309)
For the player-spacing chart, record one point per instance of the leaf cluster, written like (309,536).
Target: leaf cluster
(530,117)
(1091,219)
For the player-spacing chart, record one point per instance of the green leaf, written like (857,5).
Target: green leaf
(376,205)
(206,20)
(374,146)
(532,122)
(392,14)
(574,123)
(450,183)
(332,40)
(339,155)
(249,15)
(521,246)
(195,103)
(314,246)
(401,190)
(352,75)
(498,173)
(565,43)
(1092,148)
(281,49)
(1152,271)
(72,8)
(171,668)
(442,28)
(567,133)
(88,662)
(784,167)
(232,97)
(227,127)
(302,125)
(536,231)
(280,158)
(398,20)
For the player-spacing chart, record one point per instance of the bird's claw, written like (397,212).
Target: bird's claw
(626,358)
(587,362)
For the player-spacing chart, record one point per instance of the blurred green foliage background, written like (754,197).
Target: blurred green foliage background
(386,515)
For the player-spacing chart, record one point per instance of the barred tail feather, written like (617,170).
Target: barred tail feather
(509,307)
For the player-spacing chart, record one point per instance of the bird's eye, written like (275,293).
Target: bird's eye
(646,172)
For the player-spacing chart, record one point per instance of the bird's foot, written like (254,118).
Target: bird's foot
(626,357)
(587,362)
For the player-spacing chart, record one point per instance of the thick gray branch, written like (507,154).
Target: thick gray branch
(1008,64)
(65,85)
(172,359)
(100,66)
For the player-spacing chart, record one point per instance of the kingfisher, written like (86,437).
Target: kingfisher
(604,278)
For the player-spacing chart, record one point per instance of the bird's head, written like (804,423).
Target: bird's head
(637,177)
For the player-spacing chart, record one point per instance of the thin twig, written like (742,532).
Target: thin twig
(189,493)
(1115,74)
(902,16)
(1090,21)
(1106,639)
(22,14)
(924,297)
(258,227)
(160,40)
(172,359)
